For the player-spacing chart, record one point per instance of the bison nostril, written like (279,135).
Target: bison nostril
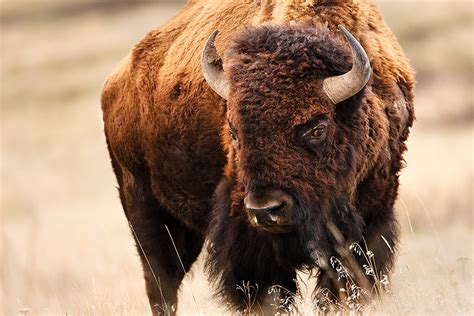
(275,209)
(268,208)
(267,215)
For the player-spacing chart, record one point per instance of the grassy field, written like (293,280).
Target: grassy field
(65,245)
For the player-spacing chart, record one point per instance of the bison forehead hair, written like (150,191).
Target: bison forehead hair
(275,76)
(275,61)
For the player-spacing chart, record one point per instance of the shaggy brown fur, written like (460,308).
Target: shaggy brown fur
(167,134)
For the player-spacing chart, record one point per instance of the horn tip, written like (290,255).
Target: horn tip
(345,32)
(214,34)
(341,27)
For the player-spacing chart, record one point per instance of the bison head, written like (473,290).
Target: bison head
(300,133)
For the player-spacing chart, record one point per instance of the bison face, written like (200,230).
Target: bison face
(296,130)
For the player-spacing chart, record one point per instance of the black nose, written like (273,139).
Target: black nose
(268,208)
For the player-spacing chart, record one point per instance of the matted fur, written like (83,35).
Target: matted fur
(168,140)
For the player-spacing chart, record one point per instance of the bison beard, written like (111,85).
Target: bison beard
(240,254)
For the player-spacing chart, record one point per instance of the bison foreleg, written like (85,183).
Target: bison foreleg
(166,247)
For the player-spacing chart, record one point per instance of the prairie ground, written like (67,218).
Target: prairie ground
(65,244)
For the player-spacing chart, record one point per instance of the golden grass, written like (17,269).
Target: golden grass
(65,244)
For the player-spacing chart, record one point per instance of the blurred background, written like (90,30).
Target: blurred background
(65,245)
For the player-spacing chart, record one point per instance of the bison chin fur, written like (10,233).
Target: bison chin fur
(245,263)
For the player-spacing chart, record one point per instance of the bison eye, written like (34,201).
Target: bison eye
(233,136)
(314,133)
(319,132)
(233,133)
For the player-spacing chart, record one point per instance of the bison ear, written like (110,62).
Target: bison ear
(401,106)
(211,66)
(340,88)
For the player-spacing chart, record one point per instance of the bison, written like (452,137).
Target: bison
(277,140)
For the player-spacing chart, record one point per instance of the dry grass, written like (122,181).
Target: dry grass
(66,246)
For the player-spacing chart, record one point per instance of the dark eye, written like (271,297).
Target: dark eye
(315,136)
(314,132)
(319,132)
(233,134)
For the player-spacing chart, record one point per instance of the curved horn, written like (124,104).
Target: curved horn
(340,88)
(211,66)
